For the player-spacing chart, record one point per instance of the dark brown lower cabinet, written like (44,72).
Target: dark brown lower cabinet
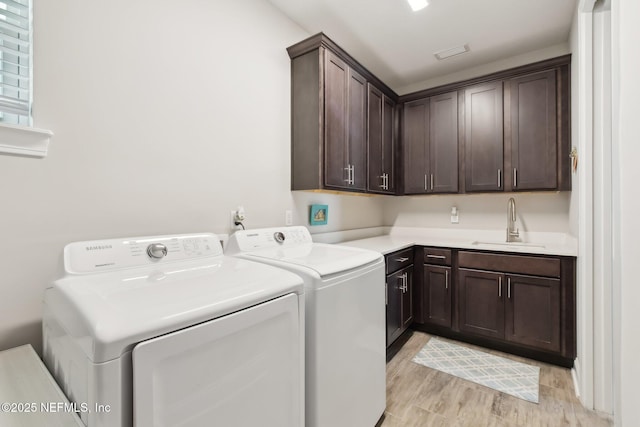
(533,312)
(481,306)
(399,288)
(436,304)
(519,309)
(519,303)
(399,303)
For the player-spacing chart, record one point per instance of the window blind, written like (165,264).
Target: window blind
(15,61)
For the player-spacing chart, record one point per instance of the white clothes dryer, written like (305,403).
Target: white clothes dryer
(167,331)
(345,321)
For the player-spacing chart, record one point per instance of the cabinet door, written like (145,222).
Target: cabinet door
(443,143)
(399,303)
(394,287)
(533,312)
(335,124)
(380,142)
(483,137)
(389,144)
(357,125)
(437,295)
(407,297)
(533,131)
(416,146)
(375,101)
(481,303)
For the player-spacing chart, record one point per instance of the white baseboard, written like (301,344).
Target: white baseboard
(576,382)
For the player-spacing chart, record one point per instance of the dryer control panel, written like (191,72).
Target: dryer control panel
(114,254)
(250,240)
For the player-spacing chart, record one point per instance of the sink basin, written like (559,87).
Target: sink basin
(523,245)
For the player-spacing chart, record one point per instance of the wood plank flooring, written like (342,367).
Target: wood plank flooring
(421,396)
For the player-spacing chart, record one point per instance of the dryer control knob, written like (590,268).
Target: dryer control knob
(156,250)
(279,236)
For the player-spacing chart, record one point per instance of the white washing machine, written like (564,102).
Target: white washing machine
(166,331)
(345,321)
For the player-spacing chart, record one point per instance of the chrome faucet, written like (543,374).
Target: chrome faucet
(512,232)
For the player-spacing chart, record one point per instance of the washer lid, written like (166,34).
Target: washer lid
(323,258)
(108,313)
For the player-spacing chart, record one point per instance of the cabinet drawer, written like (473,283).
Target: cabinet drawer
(521,264)
(437,256)
(398,260)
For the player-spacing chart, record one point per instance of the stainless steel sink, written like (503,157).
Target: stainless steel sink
(523,245)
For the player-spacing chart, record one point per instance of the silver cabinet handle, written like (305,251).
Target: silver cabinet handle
(436,256)
(446,279)
(432,182)
(509,287)
(515,177)
(499,178)
(500,287)
(403,286)
(353,174)
(386,181)
(402,259)
(406,282)
(425,182)
(350,174)
(382,185)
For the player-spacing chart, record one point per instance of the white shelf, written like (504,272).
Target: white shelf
(26,383)
(24,141)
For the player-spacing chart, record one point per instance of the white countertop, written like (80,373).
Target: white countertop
(488,240)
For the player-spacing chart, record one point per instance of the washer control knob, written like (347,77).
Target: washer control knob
(279,236)
(156,250)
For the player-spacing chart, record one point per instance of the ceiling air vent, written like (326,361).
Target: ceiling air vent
(448,53)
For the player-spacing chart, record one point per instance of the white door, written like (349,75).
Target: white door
(244,369)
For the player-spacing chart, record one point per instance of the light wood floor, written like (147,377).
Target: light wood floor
(421,396)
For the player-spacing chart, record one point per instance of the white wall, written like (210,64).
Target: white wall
(602,209)
(491,67)
(167,115)
(547,212)
(581,203)
(626,135)
(575,102)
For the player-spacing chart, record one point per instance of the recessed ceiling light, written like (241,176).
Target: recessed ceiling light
(416,5)
(448,53)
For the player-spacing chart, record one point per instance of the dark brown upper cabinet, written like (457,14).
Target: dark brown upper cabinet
(507,131)
(443,143)
(345,163)
(483,137)
(381,142)
(430,130)
(415,138)
(532,128)
(329,118)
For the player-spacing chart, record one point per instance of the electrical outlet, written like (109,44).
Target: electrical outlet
(454,215)
(288,217)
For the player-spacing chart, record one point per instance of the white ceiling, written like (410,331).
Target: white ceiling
(397,44)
